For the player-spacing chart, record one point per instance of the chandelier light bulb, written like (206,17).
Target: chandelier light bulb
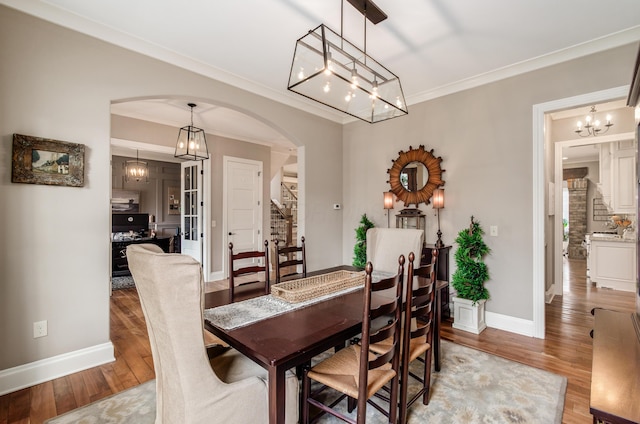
(327,87)
(347,98)
(301,74)
(592,125)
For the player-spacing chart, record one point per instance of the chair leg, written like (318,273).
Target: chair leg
(403,384)
(306,390)
(393,400)
(351,404)
(427,376)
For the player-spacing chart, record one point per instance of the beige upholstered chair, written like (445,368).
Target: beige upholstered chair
(355,371)
(227,389)
(384,245)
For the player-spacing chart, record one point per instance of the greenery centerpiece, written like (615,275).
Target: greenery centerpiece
(471,273)
(360,249)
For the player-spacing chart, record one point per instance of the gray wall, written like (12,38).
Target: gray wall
(59,84)
(484,136)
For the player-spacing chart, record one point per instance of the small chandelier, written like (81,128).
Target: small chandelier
(592,125)
(136,170)
(192,144)
(330,70)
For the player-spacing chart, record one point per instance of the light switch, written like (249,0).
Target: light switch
(493,231)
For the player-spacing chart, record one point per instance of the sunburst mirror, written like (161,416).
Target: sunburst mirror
(414,175)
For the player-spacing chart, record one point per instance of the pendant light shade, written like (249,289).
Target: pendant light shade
(331,70)
(136,170)
(192,143)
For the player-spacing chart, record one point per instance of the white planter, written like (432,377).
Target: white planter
(467,316)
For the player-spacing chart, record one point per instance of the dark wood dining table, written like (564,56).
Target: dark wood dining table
(292,339)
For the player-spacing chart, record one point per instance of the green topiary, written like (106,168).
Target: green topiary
(471,272)
(360,249)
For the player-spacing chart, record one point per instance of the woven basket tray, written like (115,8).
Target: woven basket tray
(311,287)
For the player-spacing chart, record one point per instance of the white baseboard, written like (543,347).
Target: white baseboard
(550,294)
(37,372)
(216,276)
(508,323)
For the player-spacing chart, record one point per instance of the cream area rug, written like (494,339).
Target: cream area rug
(472,387)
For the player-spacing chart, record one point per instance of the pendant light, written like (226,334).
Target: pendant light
(192,143)
(136,170)
(330,70)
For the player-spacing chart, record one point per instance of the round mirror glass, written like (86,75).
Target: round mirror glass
(414,176)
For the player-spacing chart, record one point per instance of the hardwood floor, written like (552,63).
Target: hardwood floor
(566,350)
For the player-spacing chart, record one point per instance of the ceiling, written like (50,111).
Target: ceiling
(435,46)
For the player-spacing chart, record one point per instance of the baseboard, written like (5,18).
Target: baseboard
(550,294)
(508,323)
(37,372)
(216,276)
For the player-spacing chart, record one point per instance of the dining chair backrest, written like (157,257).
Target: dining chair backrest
(253,268)
(418,328)
(385,245)
(294,256)
(390,307)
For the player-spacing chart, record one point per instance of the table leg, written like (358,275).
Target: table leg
(277,395)
(436,331)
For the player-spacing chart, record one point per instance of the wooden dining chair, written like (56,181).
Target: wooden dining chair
(293,256)
(355,371)
(417,331)
(417,334)
(250,269)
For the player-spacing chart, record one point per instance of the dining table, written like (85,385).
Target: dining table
(290,340)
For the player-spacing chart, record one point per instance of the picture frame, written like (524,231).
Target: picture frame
(125,201)
(37,160)
(173,200)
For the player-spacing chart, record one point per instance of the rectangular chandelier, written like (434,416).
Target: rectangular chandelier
(330,70)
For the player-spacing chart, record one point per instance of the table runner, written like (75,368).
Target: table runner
(240,314)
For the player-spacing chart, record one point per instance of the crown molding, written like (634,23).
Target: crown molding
(94,29)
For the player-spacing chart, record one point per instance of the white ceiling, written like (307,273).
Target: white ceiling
(435,46)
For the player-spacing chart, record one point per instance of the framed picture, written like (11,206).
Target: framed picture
(38,160)
(173,194)
(125,201)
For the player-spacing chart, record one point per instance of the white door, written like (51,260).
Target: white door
(191,212)
(243,205)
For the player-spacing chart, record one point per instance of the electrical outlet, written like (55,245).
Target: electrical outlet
(337,206)
(39,329)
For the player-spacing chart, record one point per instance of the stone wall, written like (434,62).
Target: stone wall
(577,216)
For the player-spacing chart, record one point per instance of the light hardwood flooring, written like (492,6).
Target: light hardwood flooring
(566,350)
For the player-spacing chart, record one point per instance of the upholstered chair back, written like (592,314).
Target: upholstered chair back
(385,245)
(171,292)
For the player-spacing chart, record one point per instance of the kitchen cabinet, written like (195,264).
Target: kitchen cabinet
(119,263)
(618,176)
(612,263)
(623,178)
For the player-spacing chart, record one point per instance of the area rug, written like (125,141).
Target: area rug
(123,282)
(472,387)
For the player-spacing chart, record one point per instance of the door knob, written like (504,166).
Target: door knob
(231,234)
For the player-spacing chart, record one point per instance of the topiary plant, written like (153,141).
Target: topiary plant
(471,272)
(360,249)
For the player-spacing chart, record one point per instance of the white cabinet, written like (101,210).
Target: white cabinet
(623,197)
(612,264)
(618,175)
